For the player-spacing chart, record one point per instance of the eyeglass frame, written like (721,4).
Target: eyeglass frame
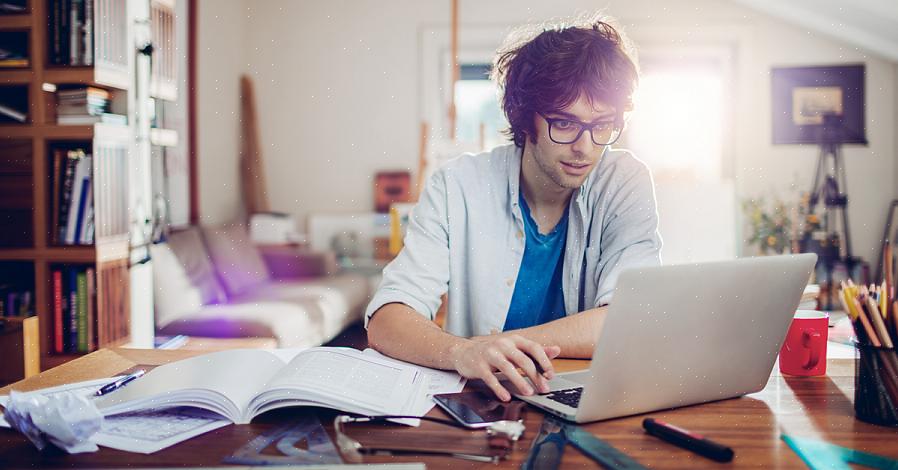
(618,127)
(501,435)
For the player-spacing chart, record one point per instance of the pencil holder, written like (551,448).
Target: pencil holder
(876,385)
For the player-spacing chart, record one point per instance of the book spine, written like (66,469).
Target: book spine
(75,201)
(64,31)
(82,311)
(86,237)
(91,309)
(82,211)
(74,28)
(13,114)
(73,310)
(54,28)
(88,32)
(55,185)
(57,312)
(68,182)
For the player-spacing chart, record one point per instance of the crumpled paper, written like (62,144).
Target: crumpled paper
(65,419)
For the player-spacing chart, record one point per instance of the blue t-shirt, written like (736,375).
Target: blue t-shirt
(538,297)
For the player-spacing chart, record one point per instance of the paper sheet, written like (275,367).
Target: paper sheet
(142,432)
(440,381)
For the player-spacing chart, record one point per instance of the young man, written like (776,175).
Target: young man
(529,238)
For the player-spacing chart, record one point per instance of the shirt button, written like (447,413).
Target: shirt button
(509,282)
(520,234)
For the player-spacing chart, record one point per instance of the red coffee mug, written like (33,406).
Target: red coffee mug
(804,352)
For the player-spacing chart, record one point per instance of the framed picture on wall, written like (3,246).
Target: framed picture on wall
(811,104)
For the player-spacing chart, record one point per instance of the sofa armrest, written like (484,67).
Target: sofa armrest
(293,262)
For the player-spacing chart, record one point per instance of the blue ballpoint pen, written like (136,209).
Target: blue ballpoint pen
(113,386)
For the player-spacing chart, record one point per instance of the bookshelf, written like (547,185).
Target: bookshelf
(96,65)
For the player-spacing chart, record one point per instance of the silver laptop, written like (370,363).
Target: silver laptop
(681,335)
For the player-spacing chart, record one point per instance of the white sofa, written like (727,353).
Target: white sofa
(212,282)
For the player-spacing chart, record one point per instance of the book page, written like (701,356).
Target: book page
(235,374)
(441,381)
(346,376)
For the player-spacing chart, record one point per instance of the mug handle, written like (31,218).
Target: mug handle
(811,339)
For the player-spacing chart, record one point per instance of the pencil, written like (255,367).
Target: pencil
(849,305)
(876,320)
(871,335)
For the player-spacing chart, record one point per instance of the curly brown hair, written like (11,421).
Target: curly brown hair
(545,69)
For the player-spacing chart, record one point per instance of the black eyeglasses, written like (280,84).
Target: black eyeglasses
(568,131)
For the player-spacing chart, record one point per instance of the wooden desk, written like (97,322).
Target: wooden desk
(819,407)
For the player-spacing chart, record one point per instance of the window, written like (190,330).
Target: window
(479,117)
(678,129)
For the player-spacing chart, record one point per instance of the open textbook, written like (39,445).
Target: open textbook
(241,384)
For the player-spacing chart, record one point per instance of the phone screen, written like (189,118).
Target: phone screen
(476,409)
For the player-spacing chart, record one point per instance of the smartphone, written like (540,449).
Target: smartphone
(477,409)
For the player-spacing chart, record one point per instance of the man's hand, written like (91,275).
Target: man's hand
(479,358)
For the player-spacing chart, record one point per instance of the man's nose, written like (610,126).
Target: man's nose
(584,144)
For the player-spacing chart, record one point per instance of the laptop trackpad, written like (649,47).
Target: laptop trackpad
(561,381)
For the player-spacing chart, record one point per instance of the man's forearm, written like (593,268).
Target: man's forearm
(576,334)
(398,331)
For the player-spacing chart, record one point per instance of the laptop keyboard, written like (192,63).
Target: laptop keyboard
(568,396)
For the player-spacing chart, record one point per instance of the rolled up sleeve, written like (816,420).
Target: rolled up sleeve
(419,275)
(630,235)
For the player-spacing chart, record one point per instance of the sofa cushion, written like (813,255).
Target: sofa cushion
(174,294)
(293,324)
(341,299)
(191,252)
(237,261)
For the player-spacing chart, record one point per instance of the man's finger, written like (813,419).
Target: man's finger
(538,354)
(511,373)
(523,361)
(493,383)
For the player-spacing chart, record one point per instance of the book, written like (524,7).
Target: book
(81,295)
(12,6)
(55,186)
(82,174)
(90,304)
(85,235)
(88,32)
(72,293)
(58,346)
(75,32)
(13,113)
(242,384)
(108,118)
(56,44)
(83,201)
(67,182)
(14,62)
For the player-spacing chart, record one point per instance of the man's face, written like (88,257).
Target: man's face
(568,165)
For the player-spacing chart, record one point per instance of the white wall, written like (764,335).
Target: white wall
(221,49)
(338,93)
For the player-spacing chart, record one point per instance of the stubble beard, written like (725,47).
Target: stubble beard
(556,175)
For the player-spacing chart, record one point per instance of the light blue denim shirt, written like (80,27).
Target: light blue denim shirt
(466,235)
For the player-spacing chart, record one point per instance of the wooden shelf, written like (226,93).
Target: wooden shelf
(15,22)
(16,76)
(17,254)
(69,254)
(113,147)
(92,76)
